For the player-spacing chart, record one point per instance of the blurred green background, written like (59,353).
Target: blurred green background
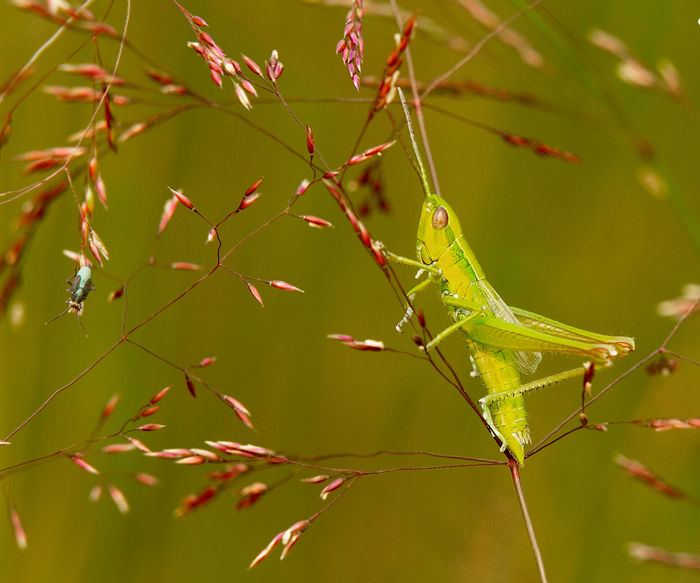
(583,244)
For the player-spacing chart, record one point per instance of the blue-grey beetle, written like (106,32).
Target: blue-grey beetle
(80,287)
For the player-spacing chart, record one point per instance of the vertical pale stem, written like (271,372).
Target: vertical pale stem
(515,473)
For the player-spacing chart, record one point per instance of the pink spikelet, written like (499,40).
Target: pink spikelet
(83,464)
(256,294)
(168,212)
(20,535)
(351,48)
(119,499)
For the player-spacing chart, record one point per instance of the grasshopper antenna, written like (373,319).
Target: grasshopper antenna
(423,175)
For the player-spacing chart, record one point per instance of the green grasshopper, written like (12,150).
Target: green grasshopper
(502,341)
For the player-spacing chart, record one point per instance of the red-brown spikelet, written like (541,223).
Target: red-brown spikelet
(118,448)
(243,417)
(378,255)
(138,444)
(303,187)
(608,43)
(352,46)
(211,236)
(206,454)
(353,220)
(91,71)
(642,552)
(101,189)
(315,479)
(274,68)
(92,166)
(182,198)
(366,345)
(96,246)
(341,337)
(168,212)
(160,77)
(207,361)
(250,495)
(150,411)
(288,547)
(316,221)
(242,413)
(242,97)
(669,424)
(190,385)
(248,200)
(253,66)
(235,404)
(255,450)
(119,499)
(185,266)
(95,493)
(369,153)
(266,550)
(253,187)
(588,376)
(387,87)
(642,473)
(664,366)
(109,407)
(284,285)
(174,90)
(162,454)
(296,528)
(194,460)
(334,485)
(133,130)
(83,464)
(256,294)
(231,473)
(146,479)
(310,146)
(249,87)
(20,535)
(82,94)
(160,395)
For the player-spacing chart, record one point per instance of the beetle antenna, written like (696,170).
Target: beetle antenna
(81,325)
(57,317)
(423,175)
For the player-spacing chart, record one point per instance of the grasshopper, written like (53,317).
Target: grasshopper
(502,341)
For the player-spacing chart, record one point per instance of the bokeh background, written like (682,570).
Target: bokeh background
(584,244)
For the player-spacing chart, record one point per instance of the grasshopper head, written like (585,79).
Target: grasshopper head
(438,228)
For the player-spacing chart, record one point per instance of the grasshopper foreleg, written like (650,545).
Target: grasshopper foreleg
(473,310)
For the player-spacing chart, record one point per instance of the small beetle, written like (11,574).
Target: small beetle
(81,286)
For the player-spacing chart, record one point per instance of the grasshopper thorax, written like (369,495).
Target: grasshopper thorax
(438,229)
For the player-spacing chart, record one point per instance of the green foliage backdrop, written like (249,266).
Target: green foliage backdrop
(584,244)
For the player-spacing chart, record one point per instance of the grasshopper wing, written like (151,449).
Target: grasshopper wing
(527,362)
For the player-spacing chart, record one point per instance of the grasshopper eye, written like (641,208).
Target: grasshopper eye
(440,218)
